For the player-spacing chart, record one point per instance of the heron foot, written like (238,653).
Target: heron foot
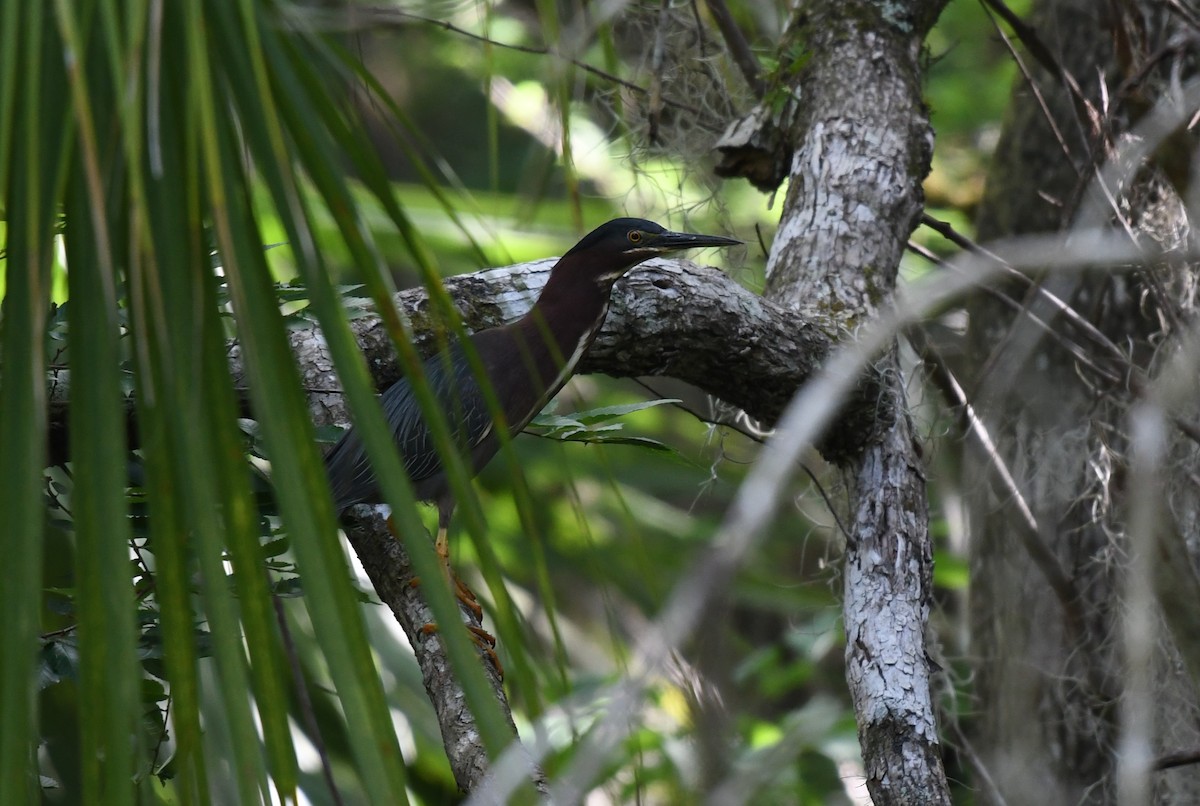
(466,598)
(463,594)
(484,641)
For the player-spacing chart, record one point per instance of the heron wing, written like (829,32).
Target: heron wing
(461,401)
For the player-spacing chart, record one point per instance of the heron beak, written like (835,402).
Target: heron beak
(675,241)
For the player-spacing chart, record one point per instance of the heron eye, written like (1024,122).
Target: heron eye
(635,236)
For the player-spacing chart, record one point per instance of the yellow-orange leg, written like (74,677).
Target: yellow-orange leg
(464,595)
(479,636)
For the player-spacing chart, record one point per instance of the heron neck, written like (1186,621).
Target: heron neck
(576,291)
(564,321)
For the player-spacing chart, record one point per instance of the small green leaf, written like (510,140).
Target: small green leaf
(598,426)
(608,412)
(275,547)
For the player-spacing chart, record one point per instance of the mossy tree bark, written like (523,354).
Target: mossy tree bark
(1050,608)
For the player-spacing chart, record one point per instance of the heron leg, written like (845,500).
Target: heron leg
(479,636)
(464,595)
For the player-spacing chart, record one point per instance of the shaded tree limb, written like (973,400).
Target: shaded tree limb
(739,48)
(668,318)
(1180,759)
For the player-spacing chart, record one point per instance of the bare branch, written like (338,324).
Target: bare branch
(668,318)
(739,48)
(1027,34)
(1180,759)
(1037,92)
(1080,354)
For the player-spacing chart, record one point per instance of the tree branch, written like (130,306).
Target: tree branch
(739,48)
(668,318)
(386,562)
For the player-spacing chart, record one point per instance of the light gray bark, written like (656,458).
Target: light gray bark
(849,126)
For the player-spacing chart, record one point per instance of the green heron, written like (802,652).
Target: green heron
(526,363)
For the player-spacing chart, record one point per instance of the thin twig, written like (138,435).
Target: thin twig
(1072,348)
(70,628)
(1171,760)
(948,232)
(1038,49)
(1184,13)
(1189,429)
(1134,375)
(1037,93)
(655,104)
(1028,36)
(701,41)
(162,737)
(985,778)
(1150,62)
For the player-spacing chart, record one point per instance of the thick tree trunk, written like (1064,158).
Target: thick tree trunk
(861,146)
(1048,607)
